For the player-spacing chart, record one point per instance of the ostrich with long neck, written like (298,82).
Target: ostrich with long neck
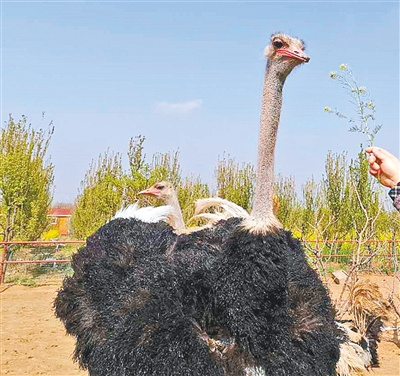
(235,299)
(353,356)
(268,298)
(284,53)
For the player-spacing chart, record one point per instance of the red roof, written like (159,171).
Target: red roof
(60,212)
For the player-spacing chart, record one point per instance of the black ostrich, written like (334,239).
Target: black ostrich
(235,299)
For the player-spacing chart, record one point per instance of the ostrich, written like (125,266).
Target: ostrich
(264,282)
(357,352)
(284,53)
(361,334)
(235,299)
(166,192)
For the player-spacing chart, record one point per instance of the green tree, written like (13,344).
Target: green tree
(26,180)
(335,185)
(101,195)
(235,182)
(285,191)
(137,178)
(310,208)
(164,166)
(188,192)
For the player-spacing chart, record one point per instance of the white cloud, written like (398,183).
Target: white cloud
(182,108)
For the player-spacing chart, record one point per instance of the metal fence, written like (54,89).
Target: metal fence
(45,251)
(40,257)
(371,255)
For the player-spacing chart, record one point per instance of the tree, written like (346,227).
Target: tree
(164,166)
(136,180)
(288,204)
(235,182)
(337,194)
(106,187)
(100,197)
(26,180)
(188,192)
(311,208)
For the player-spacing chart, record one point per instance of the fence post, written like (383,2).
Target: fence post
(2,265)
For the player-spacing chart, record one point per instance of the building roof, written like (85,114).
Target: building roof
(60,212)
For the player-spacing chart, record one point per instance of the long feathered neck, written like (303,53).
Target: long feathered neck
(270,113)
(177,218)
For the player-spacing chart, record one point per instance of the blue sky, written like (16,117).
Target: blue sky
(188,76)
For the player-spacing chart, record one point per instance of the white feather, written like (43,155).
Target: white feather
(148,214)
(232,209)
(127,212)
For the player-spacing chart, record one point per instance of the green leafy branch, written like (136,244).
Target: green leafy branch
(360,98)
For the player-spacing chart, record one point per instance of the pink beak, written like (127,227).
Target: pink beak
(299,55)
(152,191)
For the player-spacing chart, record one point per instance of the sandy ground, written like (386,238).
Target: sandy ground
(33,341)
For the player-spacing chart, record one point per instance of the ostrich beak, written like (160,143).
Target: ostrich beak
(299,55)
(152,191)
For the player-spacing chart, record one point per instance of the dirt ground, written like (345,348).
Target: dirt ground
(33,341)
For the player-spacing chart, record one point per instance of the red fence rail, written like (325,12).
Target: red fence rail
(318,243)
(5,245)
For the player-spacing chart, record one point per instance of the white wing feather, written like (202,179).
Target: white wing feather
(230,208)
(148,214)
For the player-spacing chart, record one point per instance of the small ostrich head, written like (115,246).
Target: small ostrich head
(166,192)
(285,51)
(163,190)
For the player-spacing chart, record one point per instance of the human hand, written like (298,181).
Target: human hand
(384,166)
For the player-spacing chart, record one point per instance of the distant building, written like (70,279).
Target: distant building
(60,220)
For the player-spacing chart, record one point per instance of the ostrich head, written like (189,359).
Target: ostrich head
(286,52)
(163,190)
(166,192)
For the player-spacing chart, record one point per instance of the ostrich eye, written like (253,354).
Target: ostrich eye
(160,187)
(278,44)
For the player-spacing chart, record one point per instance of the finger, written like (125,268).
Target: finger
(375,166)
(371,159)
(374,172)
(380,153)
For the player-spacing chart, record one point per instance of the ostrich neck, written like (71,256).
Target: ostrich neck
(177,219)
(270,113)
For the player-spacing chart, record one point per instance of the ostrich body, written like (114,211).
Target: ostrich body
(235,299)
